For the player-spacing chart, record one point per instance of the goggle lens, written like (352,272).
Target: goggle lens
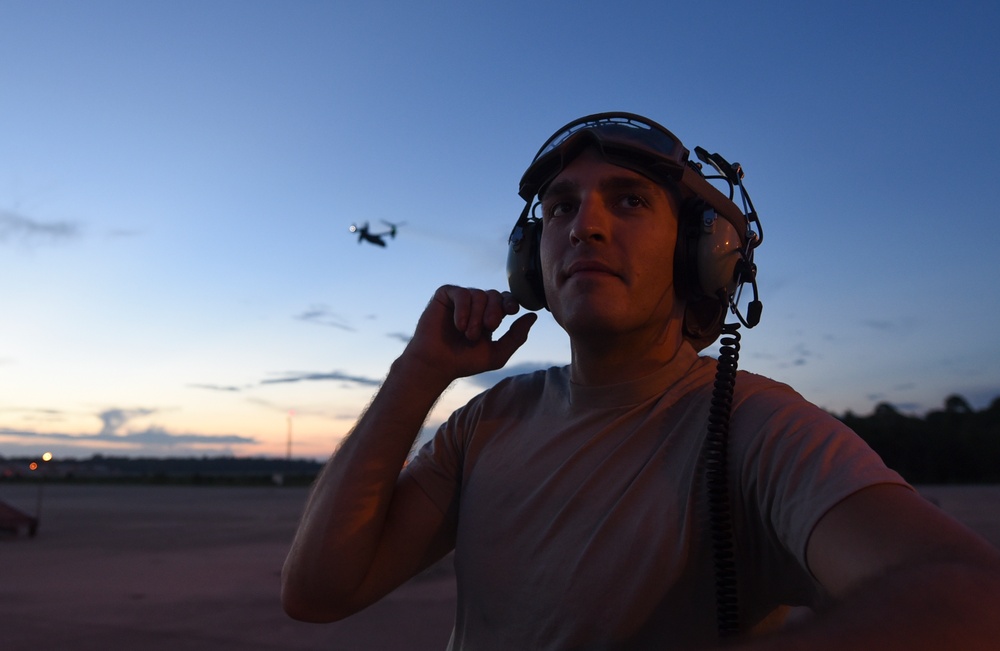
(624,138)
(625,128)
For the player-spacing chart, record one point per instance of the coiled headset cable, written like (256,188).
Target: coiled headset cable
(716,470)
(716,446)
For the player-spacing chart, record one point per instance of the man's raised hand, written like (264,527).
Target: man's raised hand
(454,336)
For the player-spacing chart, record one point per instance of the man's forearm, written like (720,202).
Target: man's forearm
(941,606)
(343,521)
(366,529)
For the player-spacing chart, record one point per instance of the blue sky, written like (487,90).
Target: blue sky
(177,180)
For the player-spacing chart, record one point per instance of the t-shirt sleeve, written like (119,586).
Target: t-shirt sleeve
(437,466)
(798,462)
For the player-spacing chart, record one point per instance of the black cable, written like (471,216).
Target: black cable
(716,467)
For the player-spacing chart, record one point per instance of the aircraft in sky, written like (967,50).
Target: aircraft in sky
(365,234)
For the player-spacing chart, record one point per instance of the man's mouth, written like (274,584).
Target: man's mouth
(588,267)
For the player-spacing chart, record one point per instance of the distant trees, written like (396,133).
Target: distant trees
(954,445)
(168,470)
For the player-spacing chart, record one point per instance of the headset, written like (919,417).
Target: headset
(714,254)
(713,260)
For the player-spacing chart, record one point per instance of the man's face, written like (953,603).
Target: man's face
(607,250)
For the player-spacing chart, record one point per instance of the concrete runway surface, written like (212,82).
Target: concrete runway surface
(152,568)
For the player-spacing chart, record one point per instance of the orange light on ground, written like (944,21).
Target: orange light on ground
(33,465)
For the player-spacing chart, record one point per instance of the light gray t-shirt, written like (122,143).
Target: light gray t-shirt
(582,517)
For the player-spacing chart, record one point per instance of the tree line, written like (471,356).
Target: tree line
(166,470)
(953,445)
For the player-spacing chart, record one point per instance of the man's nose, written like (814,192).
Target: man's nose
(591,223)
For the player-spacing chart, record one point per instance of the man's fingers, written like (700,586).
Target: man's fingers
(510,304)
(478,302)
(514,338)
(495,311)
(456,299)
(476,313)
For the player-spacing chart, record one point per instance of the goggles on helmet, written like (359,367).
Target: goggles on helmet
(635,143)
(624,139)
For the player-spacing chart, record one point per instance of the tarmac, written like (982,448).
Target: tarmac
(152,568)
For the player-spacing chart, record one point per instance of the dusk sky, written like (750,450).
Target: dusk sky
(178,179)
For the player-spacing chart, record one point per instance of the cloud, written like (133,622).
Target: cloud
(898,326)
(152,438)
(321,315)
(156,436)
(319,377)
(488,379)
(120,233)
(218,387)
(878,324)
(291,377)
(799,355)
(401,336)
(37,414)
(160,437)
(16,226)
(115,419)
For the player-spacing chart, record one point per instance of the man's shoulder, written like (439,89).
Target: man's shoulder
(526,385)
(523,379)
(752,386)
(759,398)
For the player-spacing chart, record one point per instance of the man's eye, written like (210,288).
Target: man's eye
(560,209)
(634,201)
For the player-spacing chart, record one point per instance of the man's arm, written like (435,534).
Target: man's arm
(367,528)
(905,576)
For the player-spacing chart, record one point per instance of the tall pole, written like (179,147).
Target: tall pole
(40,467)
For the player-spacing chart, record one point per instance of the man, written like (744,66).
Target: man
(579,500)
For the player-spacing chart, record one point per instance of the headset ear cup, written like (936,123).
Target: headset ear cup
(524,267)
(686,280)
(703,322)
(698,267)
(718,253)
(707,252)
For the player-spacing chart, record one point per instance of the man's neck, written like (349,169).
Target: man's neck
(605,359)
